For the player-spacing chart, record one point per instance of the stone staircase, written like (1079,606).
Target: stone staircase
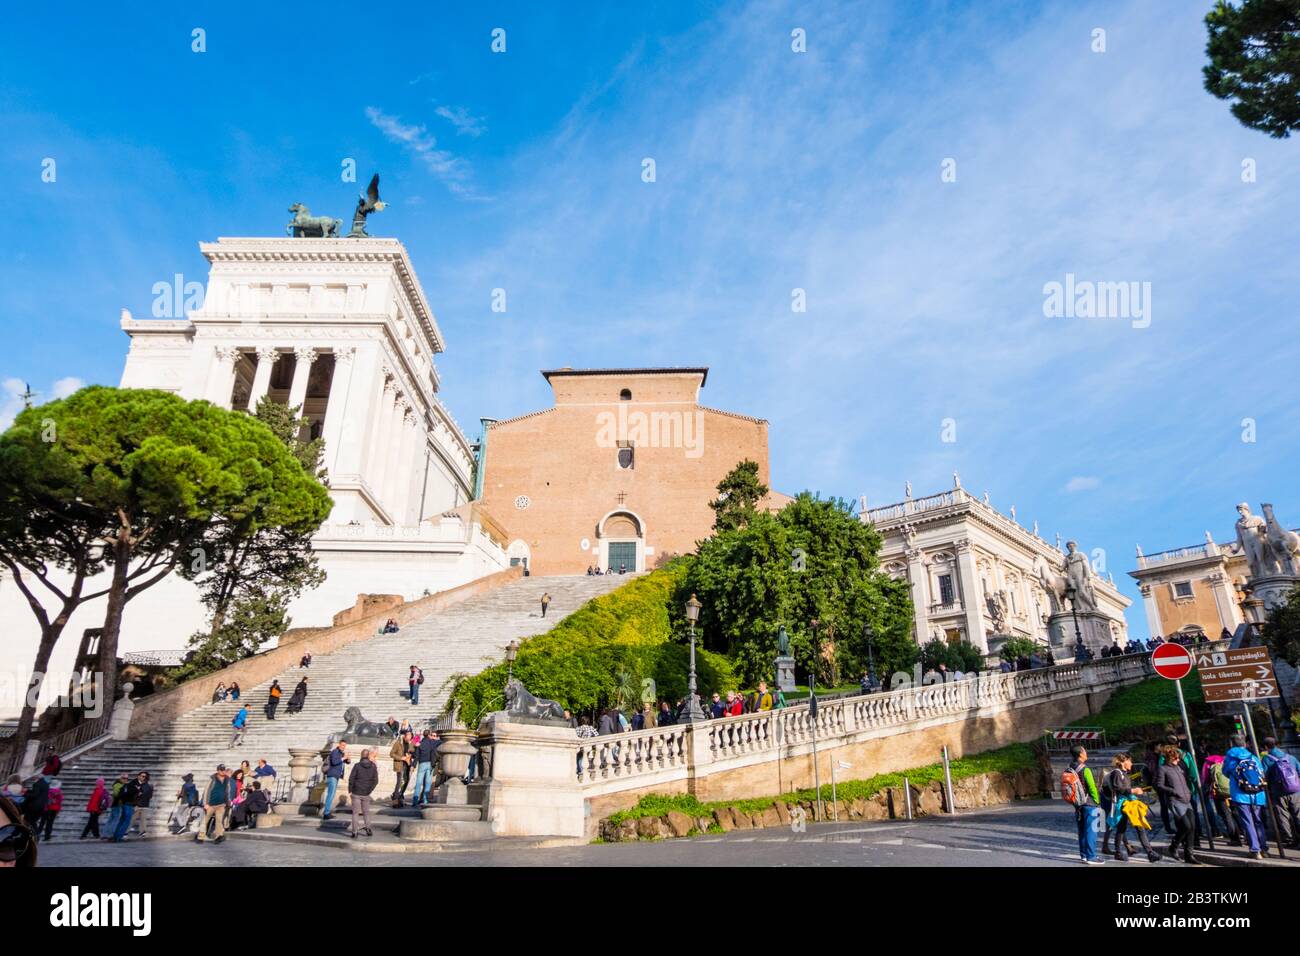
(370,675)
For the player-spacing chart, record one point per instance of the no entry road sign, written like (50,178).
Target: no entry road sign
(1242,674)
(1172,661)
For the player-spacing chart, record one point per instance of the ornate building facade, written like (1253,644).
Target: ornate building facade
(980,576)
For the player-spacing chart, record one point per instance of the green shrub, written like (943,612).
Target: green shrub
(602,653)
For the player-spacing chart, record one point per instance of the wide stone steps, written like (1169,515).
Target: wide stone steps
(370,675)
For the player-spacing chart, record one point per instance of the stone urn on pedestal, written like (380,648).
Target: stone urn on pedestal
(454,754)
(452,818)
(301,762)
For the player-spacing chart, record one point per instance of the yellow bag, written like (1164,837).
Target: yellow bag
(1136,811)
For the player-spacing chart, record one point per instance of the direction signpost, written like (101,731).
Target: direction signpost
(1242,674)
(1174,662)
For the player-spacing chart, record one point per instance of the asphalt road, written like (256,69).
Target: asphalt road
(1032,833)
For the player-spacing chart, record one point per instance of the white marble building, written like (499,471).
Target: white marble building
(342,328)
(978,575)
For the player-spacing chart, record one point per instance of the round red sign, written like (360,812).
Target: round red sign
(1172,661)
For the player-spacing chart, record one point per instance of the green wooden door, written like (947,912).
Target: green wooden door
(622,553)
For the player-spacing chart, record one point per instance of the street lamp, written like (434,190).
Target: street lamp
(512,651)
(691,712)
(870,635)
(1070,592)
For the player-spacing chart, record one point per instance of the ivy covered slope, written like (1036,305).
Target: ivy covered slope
(603,653)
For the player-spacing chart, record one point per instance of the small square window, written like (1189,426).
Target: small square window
(1183,589)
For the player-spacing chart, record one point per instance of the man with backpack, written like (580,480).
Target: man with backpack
(1282,771)
(239,725)
(1247,794)
(1079,789)
(1219,789)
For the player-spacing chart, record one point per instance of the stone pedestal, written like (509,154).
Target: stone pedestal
(528,787)
(302,761)
(1094,627)
(1272,591)
(785,674)
(119,725)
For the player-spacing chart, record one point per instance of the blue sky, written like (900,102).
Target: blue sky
(775,171)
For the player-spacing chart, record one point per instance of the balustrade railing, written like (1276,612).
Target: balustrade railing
(644,752)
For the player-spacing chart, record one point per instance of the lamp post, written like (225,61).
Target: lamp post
(691,712)
(1070,593)
(512,651)
(870,635)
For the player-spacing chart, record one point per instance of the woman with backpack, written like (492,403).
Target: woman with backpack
(1126,811)
(99,802)
(1171,783)
(1218,788)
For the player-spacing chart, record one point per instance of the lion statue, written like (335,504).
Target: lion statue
(520,703)
(361,731)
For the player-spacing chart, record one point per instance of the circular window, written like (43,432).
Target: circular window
(522,502)
(585,544)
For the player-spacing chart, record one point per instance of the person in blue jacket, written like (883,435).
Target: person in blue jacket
(1247,807)
(333,774)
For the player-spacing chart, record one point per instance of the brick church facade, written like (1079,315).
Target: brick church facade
(620,472)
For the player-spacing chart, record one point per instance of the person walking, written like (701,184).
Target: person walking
(143,800)
(130,794)
(216,801)
(273,699)
(415,679)
(1282,771)
(1080,789)
(115,812)
(53,804)
(299,697)
(1246,778)
(1193,786)
(546,600)
(1171,781)
(34,801)
(333,774)
(1126,811)
(1216,785)
(361,784)
(425,758)
(99,802)
(239,724)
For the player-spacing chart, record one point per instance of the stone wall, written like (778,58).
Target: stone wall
(161,708)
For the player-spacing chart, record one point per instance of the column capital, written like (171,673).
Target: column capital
(962,545)
(226,353)
(268,353)
(345,354)
(305,354)
(1145,589)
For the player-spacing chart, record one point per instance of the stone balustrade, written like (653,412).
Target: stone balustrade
(660,755)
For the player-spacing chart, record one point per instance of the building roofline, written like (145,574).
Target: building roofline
(703,371)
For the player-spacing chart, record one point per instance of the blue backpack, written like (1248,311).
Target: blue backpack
(1282,776)
(1248,776)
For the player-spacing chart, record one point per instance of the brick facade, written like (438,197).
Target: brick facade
(560,480)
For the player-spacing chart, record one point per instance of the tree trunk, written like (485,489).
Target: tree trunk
(49,637)
(113,616)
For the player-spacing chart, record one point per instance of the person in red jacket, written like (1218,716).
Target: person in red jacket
(53,804)
(99,802)
(735,704)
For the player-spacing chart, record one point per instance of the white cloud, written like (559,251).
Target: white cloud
(452,171)
(66,386)
(466,123)
(1082,483)
(12,390)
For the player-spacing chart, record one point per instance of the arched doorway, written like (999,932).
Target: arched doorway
(621,540)
(519,553)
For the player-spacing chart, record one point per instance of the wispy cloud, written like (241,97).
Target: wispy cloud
(466,123)
(449,169)
(1081,483)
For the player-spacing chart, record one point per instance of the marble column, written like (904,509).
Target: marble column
(918,573)
(1225,601)
(1153,612)
(303,360)
(410,443)
(971,596)
(376,455)
(336,406)
(266,359)
(397,442)
(221,378)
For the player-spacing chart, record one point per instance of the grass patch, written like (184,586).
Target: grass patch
(1151,703)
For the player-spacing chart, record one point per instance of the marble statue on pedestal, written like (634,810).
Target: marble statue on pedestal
(1078,575)
(1252,538)
(1282,546)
